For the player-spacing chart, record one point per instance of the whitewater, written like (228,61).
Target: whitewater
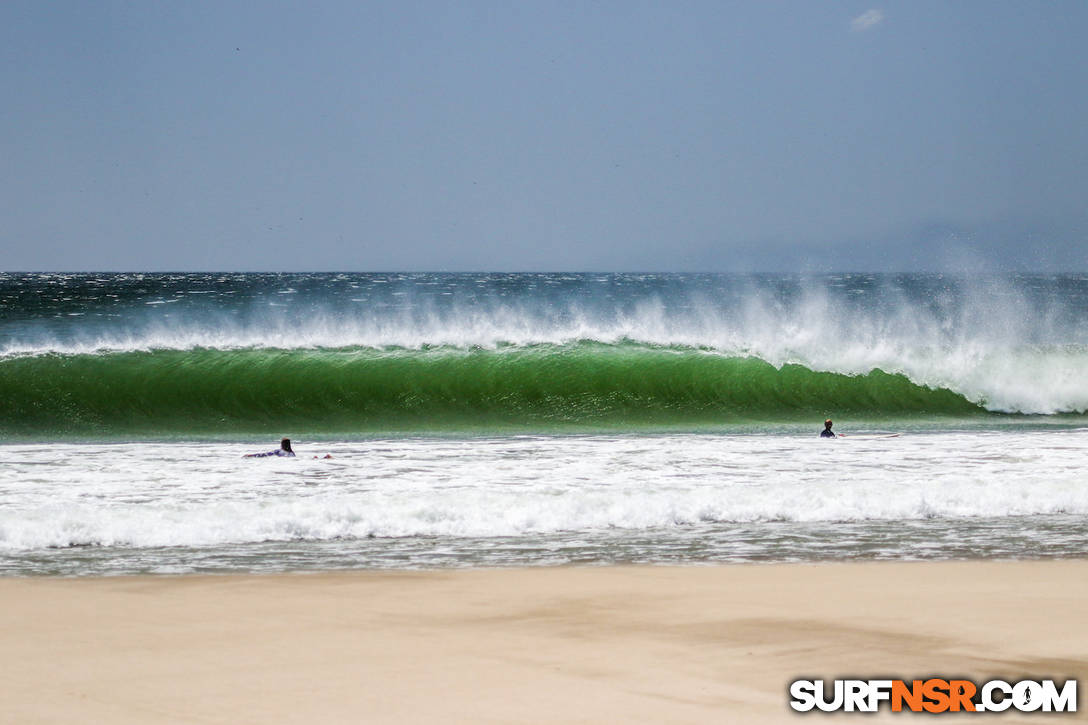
(524,419)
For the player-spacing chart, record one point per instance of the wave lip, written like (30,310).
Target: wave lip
(585,383)
(411,352)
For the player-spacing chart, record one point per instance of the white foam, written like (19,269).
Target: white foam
(147,495)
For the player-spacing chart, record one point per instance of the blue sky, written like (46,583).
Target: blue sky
(669,136)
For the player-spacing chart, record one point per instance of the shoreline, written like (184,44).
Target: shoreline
(587,644)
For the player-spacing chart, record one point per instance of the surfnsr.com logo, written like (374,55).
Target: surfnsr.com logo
(933,695)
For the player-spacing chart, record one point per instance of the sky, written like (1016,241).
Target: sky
(543,136)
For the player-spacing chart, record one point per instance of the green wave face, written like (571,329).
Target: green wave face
(577,386)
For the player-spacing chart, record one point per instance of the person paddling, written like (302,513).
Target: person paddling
(827,432)
(283,450)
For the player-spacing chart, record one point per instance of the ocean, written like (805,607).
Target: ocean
(537,419)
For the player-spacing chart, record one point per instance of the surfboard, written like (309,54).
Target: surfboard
(866,436)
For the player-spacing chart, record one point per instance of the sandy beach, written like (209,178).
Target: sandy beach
(595,644)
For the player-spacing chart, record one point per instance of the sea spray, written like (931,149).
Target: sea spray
(133,354)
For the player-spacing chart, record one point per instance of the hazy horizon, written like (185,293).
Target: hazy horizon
(544,137)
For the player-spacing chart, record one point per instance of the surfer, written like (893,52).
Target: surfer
(827,432)
(283,450)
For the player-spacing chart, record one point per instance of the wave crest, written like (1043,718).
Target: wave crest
(582,384)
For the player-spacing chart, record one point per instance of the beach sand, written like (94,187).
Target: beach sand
(594,644)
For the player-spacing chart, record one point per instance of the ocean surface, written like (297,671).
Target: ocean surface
(537,419)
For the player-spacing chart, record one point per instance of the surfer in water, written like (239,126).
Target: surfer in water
(827,432)
(283,450)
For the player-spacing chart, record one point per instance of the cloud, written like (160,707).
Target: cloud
(865,21)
